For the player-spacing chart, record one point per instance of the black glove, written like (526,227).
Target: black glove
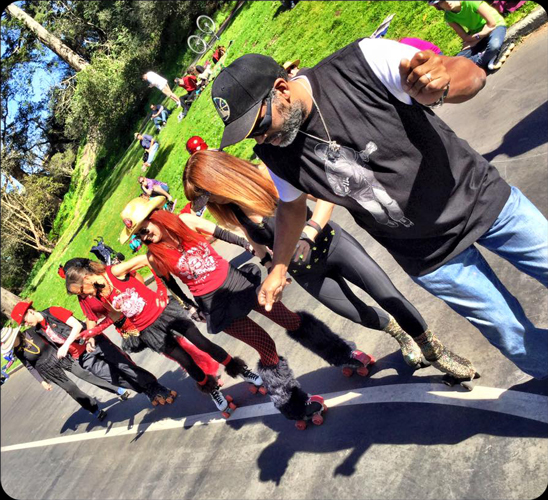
(303,249)
(224,235)
(197,315)
(176,289)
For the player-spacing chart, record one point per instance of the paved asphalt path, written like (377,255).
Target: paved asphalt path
(394,435)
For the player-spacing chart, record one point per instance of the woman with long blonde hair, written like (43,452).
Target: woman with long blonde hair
(241,194)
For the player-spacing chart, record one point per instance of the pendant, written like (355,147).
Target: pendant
(334,150)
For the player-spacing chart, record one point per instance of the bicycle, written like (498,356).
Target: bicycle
(195,42)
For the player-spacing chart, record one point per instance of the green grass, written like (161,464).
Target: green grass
(310,32)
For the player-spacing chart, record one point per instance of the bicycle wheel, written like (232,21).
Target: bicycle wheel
(196,44)
(206,24)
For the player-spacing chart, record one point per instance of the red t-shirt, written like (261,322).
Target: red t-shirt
(134,300)
(201,268)
(189,83)
(62,314)
(93,308)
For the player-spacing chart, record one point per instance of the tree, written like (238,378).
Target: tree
(9,300)
(52,42)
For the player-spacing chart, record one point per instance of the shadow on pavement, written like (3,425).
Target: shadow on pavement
(526,135)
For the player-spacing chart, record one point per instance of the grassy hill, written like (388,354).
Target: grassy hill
(310,31)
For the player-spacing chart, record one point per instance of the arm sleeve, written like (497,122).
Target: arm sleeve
(286,191)
(176,289)
(229,237)
(61,313)
(96,330)
(384,56)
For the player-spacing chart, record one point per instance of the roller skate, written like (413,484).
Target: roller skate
(236,367)
(123,394)
(315,406)
(100,414)
(457,370)
(254,380)
(411,352)
(358,362)
(503,54)
(162,395)
(224,404)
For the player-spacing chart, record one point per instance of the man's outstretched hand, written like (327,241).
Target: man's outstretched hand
(424,77)
(271,289)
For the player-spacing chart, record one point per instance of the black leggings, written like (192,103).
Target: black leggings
(349,261)
(179,355)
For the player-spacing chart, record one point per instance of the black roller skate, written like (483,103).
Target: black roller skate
(467,383)
(315,406)
(358,363)
(223,403)
(161,395)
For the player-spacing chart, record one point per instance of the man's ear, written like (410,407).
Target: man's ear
(282,87)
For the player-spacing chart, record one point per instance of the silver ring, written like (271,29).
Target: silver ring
(429,76)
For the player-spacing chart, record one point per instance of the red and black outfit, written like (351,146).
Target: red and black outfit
(39,355)
(146,323)
(226,296)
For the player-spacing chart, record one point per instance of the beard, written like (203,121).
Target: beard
(293,118)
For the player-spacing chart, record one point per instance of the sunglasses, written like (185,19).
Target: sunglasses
(262,127)
(201,201)
(143,232)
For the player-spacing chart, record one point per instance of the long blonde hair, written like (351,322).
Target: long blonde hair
(235,179)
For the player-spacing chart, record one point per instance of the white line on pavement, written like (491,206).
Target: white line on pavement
(520,404)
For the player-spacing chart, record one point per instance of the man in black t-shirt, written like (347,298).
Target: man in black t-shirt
(436,197)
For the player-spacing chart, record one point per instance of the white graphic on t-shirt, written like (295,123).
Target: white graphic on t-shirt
(129,303)
(53,335)
(196,262)
(349,175)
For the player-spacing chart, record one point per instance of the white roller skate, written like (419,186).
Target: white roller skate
(223,404)
(254,380)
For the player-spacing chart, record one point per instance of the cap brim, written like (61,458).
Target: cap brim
(127,233)
(239,129)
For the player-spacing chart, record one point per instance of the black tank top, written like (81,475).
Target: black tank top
(396,160)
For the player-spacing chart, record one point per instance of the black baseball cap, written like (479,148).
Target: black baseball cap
(239,91)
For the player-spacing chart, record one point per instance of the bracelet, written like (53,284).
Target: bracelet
(441,100)
(314,225)
(476,36)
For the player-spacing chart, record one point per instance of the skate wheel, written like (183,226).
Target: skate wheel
(448,380)
(162,401)
(317,419)
(253,389)
(363,371)
(372,360)
(229,398)
(173,394)
(263,390)
(232,406)
(300,424)
(468,385)
(347,371)
(170,400)
(225,414)
(155,403)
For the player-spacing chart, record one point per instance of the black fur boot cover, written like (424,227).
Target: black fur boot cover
(285,392)
(317,337)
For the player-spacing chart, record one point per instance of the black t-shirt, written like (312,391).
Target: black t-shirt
(34,347)
(403,174)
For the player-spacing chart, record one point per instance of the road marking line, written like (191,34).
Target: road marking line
(520,404)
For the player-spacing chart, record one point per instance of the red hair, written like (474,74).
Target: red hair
(178,230)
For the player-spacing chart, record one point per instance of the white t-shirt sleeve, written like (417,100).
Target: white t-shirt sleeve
(286,191)
(384,56)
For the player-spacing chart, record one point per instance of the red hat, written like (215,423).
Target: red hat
(195,143)
(19,311)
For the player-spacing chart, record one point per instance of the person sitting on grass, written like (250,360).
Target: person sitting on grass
(153,187)
(150,145)
(155,80)
(159,116)
(481,28)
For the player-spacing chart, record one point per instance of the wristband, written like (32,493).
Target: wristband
(441,100)
(476,36)
(314,225)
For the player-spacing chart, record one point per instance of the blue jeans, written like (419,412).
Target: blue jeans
(152,152)
(162,117)
(470,287)
(487,49)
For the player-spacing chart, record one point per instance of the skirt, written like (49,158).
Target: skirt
(234,299)
(160,336)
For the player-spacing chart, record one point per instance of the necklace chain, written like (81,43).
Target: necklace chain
(332,144)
